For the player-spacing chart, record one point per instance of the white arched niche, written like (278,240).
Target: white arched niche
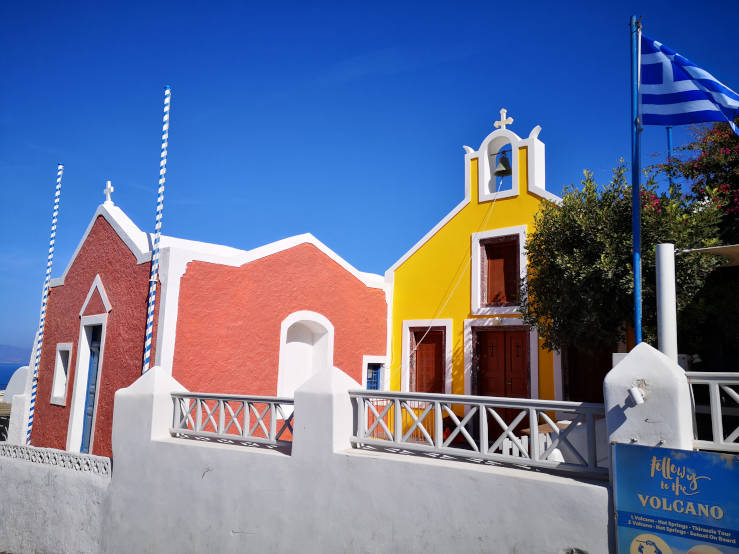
(306,346)
(494,144)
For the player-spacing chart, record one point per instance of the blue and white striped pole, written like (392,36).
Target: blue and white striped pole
(154,277)
(44,298)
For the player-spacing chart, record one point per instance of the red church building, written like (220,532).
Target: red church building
(232,321)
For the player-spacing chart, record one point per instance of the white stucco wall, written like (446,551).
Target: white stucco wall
(45,508)
(177,495)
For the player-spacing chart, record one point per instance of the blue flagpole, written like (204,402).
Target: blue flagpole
(635,175)
(669,151)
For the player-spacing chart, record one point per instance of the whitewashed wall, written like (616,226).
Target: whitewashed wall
(176,495)
(47,508)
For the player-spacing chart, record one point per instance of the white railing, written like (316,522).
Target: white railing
(231,419)
(520,431)
(86,463)
(723,406)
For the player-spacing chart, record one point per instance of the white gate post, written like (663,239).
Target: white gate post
(647,399)
(323,414)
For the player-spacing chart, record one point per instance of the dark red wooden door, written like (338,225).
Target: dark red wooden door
(430,361)
(503,367)
(491,362)
(517,364)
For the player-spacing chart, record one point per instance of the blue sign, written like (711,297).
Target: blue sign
(675,501)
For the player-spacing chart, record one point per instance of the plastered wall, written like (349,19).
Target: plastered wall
(126,284)
(177,495)
(228,326)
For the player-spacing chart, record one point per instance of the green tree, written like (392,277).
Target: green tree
(579,288)
(709,167)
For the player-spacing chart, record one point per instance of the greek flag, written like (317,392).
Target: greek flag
(675,91)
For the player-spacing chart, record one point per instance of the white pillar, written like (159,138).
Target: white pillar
(647,399)
(324,414)
(666,302)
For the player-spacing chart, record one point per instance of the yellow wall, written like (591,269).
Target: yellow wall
(434,282)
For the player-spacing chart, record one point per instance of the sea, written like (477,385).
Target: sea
(6,372)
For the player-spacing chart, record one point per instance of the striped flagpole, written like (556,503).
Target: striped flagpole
(157,233)
(44,298)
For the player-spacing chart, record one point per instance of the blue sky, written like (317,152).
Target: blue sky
(344,120)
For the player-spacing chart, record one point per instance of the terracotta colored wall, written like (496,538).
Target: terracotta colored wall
(126,285)
(228,329)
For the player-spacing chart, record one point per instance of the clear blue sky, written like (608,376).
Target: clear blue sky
(357,112)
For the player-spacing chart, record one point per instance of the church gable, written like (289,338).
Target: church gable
(109,224)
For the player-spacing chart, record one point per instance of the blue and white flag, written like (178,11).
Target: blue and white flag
(674,91)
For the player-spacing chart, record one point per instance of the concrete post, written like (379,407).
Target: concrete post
(666,301)
(143,411)
(323,414)
(647,400)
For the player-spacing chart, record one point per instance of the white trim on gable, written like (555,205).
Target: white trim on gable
(536,177)
(140,242)
(446,219)
(232,257)
(97,284)
(175,255)
(134,238)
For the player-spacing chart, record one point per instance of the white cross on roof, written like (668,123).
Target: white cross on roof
(503,119)
(108,189)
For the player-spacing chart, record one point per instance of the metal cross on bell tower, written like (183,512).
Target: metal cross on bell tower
(503,119)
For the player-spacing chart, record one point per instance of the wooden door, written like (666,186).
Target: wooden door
(517,364)
(429,361)
(491,377)
(503,366)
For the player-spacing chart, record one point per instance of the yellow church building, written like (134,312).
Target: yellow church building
(454,323)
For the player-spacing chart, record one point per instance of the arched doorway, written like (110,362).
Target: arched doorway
(306,346)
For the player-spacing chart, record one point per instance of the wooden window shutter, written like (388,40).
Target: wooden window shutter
(501,271)
(496,280)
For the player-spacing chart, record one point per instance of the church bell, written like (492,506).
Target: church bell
(503,166)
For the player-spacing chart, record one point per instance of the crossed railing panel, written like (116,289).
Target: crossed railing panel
(521,431)
(716,414)
(233,419)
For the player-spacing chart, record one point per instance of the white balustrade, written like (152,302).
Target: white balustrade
(231,419)
(87,463)
(723,406)
(521,431)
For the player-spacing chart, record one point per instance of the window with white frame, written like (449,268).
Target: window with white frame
(499,281)
(498,268)
(373,372)
(61,372)
(374,376)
